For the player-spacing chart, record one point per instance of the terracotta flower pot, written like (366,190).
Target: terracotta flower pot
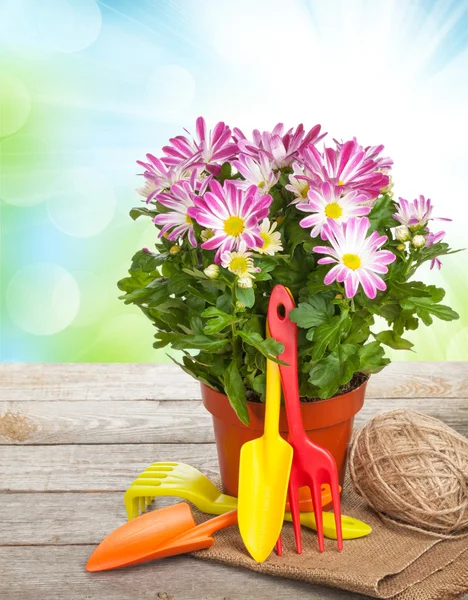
(327,422)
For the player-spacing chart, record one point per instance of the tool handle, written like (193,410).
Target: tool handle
(213,525)
(285,331)
(273,400)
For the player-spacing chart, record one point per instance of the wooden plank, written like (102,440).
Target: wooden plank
(96,422)
(144,422)
(95,381)
(61,518)
(92,468)
(57,573)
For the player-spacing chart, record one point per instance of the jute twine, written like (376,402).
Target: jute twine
(413,470)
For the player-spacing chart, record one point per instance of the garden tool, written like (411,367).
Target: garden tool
(264,469)
(184,481)
(312,465)
(157,534)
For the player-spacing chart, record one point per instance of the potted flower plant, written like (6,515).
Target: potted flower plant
(236,215)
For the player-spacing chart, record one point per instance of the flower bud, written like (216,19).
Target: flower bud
(401,247)
(402,233)
(212,271)
(206,234)
(339,297)
(175,250)
(419,241)
(244,282)
(240,307)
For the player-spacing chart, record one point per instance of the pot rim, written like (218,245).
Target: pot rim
(315,415)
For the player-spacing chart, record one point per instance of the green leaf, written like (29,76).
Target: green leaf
(430,252)
(328,335)
(142,211)
(426,308)
(316,311)
(381,215)
(269,347)
(235,390)
(392,339)
(315,283)
(299,235)
(246,296)
(329,373)
(372,358)
(225,172)
(164,338)
(200,342)
(178,283)
(224,302)
(147,262)
(203,293)
(217,320)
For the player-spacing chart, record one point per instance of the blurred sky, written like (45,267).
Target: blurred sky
(88,87)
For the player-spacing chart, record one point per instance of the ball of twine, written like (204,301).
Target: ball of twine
(413,470)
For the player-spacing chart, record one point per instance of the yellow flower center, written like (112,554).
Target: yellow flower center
(234,226)
(333,210)
(261,184)
(239,265)
(188,220)
(341,182)
(352,261)
(305,191)
(266,240)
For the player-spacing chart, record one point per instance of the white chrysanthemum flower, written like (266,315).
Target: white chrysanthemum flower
(240,263)
(271,238)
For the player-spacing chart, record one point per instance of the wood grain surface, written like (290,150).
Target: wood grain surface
(74,436)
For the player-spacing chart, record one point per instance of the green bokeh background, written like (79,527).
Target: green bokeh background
(86,88)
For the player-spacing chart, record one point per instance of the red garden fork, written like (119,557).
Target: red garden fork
(312,465)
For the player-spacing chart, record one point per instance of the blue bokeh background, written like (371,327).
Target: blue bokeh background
(88,87)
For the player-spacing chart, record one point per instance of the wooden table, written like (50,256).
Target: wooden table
(74,436)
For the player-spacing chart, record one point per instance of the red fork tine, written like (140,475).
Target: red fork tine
(312,465)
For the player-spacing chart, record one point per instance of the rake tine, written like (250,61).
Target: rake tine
(316,494)
(279,546)
(293,496)
(336,502)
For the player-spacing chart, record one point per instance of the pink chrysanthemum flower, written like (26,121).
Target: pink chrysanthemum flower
(233,214)
(328,202)
(383,163)
(179,200)
(282,148)
(210,148)
(415,214)
(357,257)
(432,239)
(257,172)
(349,167)
(159,177)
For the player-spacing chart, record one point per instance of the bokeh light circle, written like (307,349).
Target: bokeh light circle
(171,88)
(15,104)
(43,298)
(28,170)
(83,203)
(68,25)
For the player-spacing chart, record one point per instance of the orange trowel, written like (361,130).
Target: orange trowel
(165,532)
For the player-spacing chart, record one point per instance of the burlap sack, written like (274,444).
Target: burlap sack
(389,563)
